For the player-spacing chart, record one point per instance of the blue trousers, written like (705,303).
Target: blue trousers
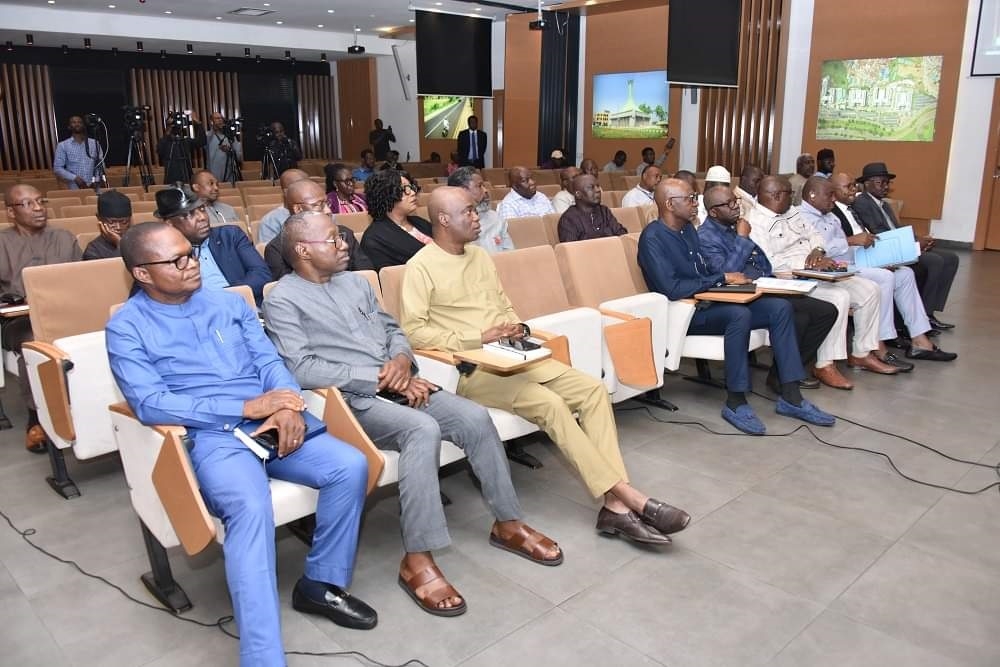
(234,483)
(734,321)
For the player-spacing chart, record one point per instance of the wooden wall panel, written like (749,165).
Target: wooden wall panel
(862,29)
(737,125)
(357,90)
(522,59)
(27,119)
(167,90)
(317,117)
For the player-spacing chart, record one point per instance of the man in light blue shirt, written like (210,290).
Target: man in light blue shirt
(199,358)
(77,157)
(367,167)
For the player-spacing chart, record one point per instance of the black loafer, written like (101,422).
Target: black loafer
(938,324)
(932,332)
(809,383)
(934,354)
(893,360)
(629,526)
(665,518)
(337,605)
(899,342)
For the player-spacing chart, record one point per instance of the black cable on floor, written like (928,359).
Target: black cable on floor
(808,429)
(219,623)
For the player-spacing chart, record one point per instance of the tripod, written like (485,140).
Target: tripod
(183,157)
(232,172)
(268,167)
(137,147)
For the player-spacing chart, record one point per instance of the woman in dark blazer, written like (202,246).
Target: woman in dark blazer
(395,234)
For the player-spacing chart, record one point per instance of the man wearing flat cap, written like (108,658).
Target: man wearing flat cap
(226,256)
(935,270)
(114,215)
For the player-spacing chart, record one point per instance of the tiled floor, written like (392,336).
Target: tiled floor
(799,554)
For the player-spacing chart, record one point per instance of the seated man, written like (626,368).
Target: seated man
(367,166)
(747,189)
(563,199)
(204,185)
(792,244)
(270,224)
(692,182)
(226,256)
(493,236)
(672,264)
(649,157)
(725,243)
(30,241)
(805,167)
(897,285)
(199,358)
(588,218)
(935,270)
(307,195)
(114,215)
(617,162)
(452,300)
(330,330)
(524,199)
(589,167)
(642,193)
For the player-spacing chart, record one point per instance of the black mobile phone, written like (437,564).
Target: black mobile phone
(520,344)
(268,439)
(393,396)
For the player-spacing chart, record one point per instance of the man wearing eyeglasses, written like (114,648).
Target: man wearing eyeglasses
(114,215)
(672,264)
(199,358)
(225,253)
(302,197)
(29,242)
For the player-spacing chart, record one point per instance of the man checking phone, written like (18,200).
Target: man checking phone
(329,328)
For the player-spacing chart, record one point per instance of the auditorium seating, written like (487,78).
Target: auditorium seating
(356,222)
(77,225)
(528,231)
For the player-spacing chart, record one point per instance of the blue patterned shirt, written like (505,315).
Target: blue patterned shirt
(71,160)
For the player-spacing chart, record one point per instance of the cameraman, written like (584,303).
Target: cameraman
(218,145)
(175,147)
(286,150)
(77,156)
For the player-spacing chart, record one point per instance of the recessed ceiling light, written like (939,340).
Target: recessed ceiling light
(52,2)
(267,4)
(319,25)
(279,22)
(438,4)
(218,18)
(109,6)
(357,29)
(167,11)
(413,20)
(479,9)
(330,11)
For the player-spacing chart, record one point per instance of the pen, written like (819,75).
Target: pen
(219,334)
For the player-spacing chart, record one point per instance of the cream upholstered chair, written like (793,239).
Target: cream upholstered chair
(528,231)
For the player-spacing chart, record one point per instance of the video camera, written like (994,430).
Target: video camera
(92,121)
(177,123)
(135,117)
(265,136)
(232,127)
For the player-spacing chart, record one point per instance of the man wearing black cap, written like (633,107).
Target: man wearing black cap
(935,270)
(114,213)
(825,162)
(226,256)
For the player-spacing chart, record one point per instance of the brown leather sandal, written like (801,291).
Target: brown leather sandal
(528,543)
(428,588)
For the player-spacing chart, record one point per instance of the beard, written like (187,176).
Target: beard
(483,205)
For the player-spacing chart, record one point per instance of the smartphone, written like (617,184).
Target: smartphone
(268,439)
(670,143)
(520,344)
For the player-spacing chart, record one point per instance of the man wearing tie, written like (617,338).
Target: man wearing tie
(935,270)
(472,145)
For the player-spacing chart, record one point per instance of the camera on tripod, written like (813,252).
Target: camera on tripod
(92,121)
(135,117)
(265,135)
(232,127)
(177,123)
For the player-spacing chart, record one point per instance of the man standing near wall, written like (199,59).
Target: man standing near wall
(472,145)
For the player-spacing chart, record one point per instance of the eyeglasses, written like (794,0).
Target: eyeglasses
(318,205)
(410,189)
(732,203)
(349,179)
(180,262)
(31,203)
(117,223)
(339,241)
(692,198)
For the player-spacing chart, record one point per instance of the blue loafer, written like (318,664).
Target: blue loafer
(744,419)
(807,412)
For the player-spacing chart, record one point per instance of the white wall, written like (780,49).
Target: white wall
(393,108)
(793,107)
(687,155)
(968,146)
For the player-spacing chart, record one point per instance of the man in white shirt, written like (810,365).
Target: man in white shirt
(524,199)
(642,193)
(493,235)
(565,197)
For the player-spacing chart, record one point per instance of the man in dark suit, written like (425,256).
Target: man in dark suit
(935,271)
(472,145)
(225,254)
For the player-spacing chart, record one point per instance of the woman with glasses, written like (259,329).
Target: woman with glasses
(340,192)
(395,234)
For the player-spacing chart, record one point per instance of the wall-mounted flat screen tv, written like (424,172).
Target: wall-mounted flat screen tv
(879,99)
(445,115)
(631,105)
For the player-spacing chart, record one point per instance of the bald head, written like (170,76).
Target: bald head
(290,176)
(674,203)
(302,191)
(454,217)
(445,200)
(298,228)
(775,193)
(566,177)
(819,193)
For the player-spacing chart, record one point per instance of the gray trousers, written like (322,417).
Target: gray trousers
(417,435)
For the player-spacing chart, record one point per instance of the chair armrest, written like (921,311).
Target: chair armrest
(55,391)
(342,424)
(122,408)
(557,343)
(438,367)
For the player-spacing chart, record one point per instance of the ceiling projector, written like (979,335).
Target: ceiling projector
(355,49)
(540,24)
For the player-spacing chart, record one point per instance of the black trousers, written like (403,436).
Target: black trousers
(813,321)
(14,333)
(935,272)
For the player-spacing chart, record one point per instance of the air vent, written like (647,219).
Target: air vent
(251,11)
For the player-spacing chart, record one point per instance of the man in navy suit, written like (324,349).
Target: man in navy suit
(225,253)
(935,270)
(472,145)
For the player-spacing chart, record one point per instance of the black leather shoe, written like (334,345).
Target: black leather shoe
(629,526)
(809,383)
(932,332)
(938,324)
(893,360)
(337,605)
(900,342)
(663,517)
(934,354)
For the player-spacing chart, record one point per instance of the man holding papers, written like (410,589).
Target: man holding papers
(822,201)
(452,300)
(726,245)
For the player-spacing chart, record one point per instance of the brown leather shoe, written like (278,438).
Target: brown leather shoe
(35,439)
(831,377)
(871,363)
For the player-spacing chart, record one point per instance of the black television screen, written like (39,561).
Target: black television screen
(454,55)
(703,44)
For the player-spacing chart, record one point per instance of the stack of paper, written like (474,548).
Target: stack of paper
(783,285)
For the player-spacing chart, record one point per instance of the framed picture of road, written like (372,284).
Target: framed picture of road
(879,99)
(445,116)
